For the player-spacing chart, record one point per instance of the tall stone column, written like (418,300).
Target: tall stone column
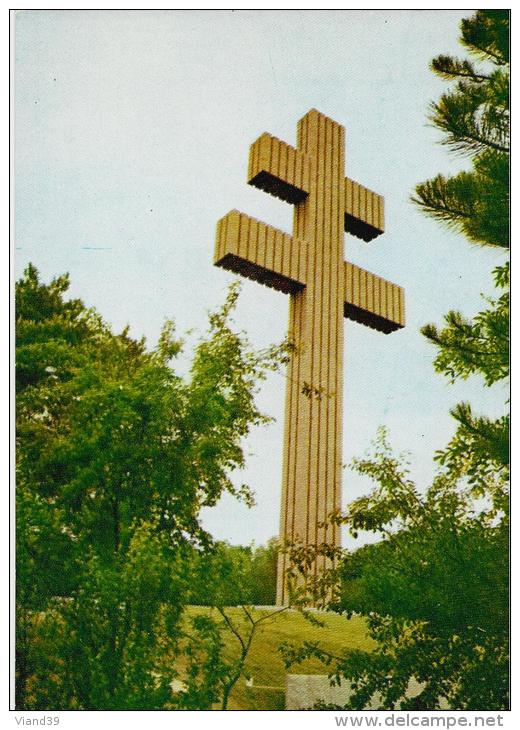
(311,481)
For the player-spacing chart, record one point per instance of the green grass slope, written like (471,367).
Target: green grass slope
(265,664)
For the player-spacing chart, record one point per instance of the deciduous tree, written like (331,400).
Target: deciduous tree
(116,455)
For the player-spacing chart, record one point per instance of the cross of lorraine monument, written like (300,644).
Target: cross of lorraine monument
(323,288)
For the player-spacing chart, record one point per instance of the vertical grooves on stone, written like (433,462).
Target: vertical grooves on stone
(338,441)
(322,383)
(369,207)
(337,286)
(251,161)
(278,252)
(303,320)
(312,449)
(296,335)
(270,258)
(329,362)
(375,212)
(245,235)
(286,257)
(255,243)
(370,292)
(238,222)
(336,237)
(300,214)
(317,360)
(339,222)
(375,295)
(218,244)
(313,239)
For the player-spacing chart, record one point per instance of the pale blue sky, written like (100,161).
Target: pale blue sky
(132,137)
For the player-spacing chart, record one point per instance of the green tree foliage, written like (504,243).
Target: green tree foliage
(263,573)
(474,117)
(433,590)
(476,347)
(479,346)
(230,567)
(216,646)
(246,575)
(116,455)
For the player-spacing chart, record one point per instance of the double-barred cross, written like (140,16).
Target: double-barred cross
(323,288)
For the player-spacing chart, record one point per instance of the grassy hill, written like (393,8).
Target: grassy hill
(265,663)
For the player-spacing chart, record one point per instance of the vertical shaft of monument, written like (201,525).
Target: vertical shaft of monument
(311,481)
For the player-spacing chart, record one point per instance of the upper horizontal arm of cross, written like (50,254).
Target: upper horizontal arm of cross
(283,171)
(279,169)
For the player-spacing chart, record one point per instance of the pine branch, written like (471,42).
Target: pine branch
(474,203)
(487,34)
(449,68)
(447,198)
(431,333)
(468,126)
(495,434)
